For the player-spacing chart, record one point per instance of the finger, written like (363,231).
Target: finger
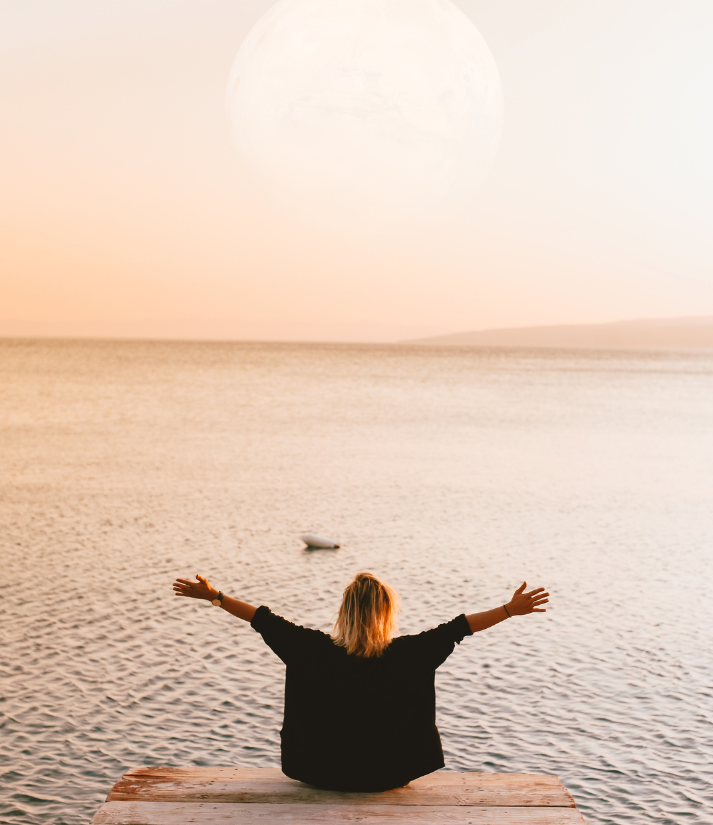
(200,578)
(185,581)
(521,588)
(539,610)
(535,591)
(539,601)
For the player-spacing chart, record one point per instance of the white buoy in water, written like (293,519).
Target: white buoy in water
(312,540)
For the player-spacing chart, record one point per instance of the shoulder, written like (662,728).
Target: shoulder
(293,643)
(432,647)
(271,626)
(455,630)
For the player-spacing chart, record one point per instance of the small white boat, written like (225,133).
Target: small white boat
(312,540)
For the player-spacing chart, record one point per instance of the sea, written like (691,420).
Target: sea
(453,473)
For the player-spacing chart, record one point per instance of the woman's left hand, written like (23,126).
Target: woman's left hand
(200,589)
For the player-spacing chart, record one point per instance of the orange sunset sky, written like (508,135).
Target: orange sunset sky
(124,203)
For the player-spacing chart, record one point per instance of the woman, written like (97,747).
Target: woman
(360,705)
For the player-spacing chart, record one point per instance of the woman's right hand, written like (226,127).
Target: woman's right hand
(523,603)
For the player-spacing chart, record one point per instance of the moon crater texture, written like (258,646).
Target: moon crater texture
(366,107)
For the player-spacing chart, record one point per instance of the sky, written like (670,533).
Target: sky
(124,208)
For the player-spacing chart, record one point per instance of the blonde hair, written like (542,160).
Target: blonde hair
(366,621)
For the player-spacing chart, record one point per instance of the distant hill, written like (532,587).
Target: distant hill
(652,333)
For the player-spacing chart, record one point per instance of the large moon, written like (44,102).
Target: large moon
(361,108)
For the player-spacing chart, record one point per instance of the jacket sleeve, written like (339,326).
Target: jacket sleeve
(290,642)
(434,646)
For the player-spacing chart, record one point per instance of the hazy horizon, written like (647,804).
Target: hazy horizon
(674,332)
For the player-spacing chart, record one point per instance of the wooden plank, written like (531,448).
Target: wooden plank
(272,774)
(271,785)
(512,790)
(183,813)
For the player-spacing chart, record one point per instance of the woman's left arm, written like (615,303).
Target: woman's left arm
(520,605)
(202,589)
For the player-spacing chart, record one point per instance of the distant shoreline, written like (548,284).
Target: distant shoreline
(684,333)
(656,333)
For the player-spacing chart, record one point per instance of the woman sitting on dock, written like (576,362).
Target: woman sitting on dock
(360,705)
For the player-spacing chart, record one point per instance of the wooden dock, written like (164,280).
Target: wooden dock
(261,796)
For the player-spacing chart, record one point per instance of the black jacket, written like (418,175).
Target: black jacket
(358,724)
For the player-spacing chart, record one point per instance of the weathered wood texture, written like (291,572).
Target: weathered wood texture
(192,772)
(270,786)
(265,796)
(182,813)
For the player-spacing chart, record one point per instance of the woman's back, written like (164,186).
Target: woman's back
(354,722)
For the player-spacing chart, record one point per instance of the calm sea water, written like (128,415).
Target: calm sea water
(455,474)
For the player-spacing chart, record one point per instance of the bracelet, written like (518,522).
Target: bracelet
(507,611)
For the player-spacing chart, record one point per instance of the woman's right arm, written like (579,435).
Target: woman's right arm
(202,589)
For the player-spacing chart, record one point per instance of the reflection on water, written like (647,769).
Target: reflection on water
(452,473)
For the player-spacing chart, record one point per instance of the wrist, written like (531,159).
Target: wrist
(212,594)
(509,610)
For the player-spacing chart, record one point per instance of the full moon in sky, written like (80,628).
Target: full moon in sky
(361,108)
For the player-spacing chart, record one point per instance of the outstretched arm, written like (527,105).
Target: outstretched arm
(202,589)
(520,604)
